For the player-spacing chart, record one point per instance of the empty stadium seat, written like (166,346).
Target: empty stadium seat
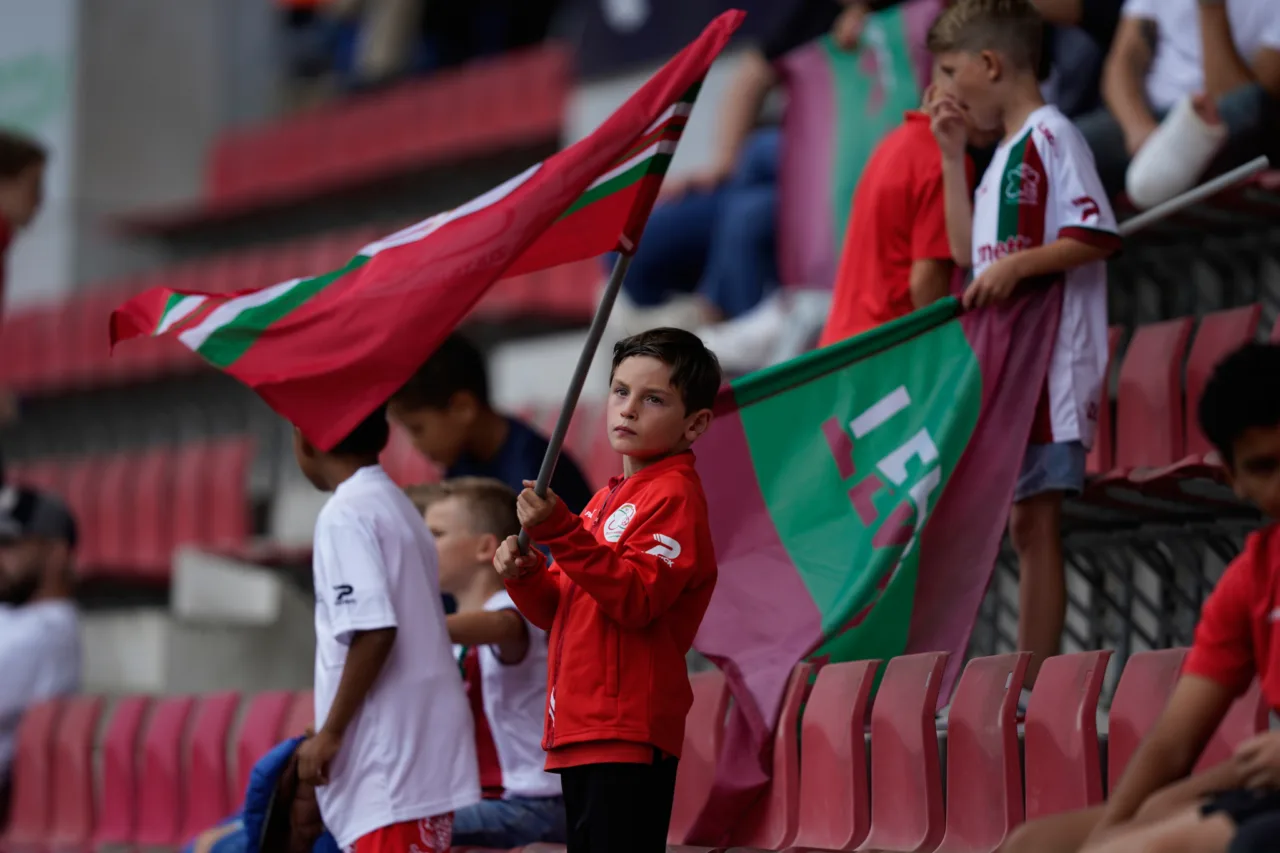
(260,730)
(72,824)
(835,801)
(984,764)
(906,802)
(118,812)
(703,733)
(301,715)
(1063,762)
(772,823)
(32,793)
(151,523)
(1144,687)
(116,506)
(1248,716)
(211,503)
(1101,457)
(161,782)
(207,774)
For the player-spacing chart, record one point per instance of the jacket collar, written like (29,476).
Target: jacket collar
(682,460)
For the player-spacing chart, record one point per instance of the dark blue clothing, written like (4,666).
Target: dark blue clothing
(520,458)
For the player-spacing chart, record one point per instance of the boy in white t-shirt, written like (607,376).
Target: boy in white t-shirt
(504,662)
(1040,216)
(392,752)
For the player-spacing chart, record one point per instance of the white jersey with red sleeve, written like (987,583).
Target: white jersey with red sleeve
(1042,186)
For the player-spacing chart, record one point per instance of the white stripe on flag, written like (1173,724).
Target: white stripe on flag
(179,312)
(228,311)
(666,146)
(682,108)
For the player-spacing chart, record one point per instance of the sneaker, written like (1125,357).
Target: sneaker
(748,343)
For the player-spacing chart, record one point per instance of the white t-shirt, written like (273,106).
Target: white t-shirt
(1177,69)
(514,697)
(39,659)
(408,753)
(1041,186)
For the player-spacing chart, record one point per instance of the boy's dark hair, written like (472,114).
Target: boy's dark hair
(1243,393)
(1010,27)
(456,366)
(491,504)
(695,370)
(368,439)
(19,153)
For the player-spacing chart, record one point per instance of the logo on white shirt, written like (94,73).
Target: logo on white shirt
(666,550)
(617,523)
(346,594)
(1022,184)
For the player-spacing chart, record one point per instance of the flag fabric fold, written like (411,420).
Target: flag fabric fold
(326,351)
(909,439)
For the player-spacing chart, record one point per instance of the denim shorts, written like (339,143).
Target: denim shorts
(505,824)
(1051,468)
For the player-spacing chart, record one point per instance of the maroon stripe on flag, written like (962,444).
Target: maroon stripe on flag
(669,129)
(762,618)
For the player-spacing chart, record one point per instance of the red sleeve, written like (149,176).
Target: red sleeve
(638,579)
(1223,646)
(537,594)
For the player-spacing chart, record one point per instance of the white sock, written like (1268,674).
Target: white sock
(1174,157)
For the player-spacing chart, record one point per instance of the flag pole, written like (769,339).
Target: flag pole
(585,358)
(1195,195)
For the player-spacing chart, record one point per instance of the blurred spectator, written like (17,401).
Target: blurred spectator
(389,32)
(308,37)
(22,162)
(1076,44)
(39,626)
(1208,70)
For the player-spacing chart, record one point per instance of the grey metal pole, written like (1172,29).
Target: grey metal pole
(1195,195)
(585,358)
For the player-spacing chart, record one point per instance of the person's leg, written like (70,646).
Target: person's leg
(389,30)
(1186,831)
(1106,140)
(506,824)
(1059,833)
(673,253)
(1049,472)
(575,787)
(1250,115)
(628,809)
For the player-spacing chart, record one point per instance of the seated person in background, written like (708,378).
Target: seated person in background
(896,256)
(504,664)
(446,410)
(1155,806)
(1077,38)
(1207,72)
(39,624)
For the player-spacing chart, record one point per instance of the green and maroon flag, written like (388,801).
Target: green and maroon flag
(325,351)
(857,498)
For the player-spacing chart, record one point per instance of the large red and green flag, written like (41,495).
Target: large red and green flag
(326,351)
(857,498)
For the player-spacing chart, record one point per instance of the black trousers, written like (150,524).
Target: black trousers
(619,808)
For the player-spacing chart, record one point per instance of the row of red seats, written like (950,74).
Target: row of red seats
(827,793)
(64,346)
(1154,459)
(170,767)
(134,509)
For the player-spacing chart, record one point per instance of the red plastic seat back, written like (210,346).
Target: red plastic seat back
(301,715)
(73,804)
(1219,334)
(906,780)
(260,730)
(230,522)
(703,733)
(161,781)
(119,808)
(1064,767)
(984,765)
(1149,425)
(1248,716)
(835,800)
(772,823)
(31,797)
(207,771)
(152,521)
(1102,456)
(1144,688)
(116,504)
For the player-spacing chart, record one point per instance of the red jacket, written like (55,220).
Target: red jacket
(623,600)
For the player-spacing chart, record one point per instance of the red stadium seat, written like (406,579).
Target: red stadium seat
(84,479)
(703,733)
(1102,457)
(211,495)
(118,815)
(31,799)
(1248,716)
(984,764)
(906,780)
(73,783)
(772,823)
(1145,684)
(301,716)
(152,518)
(1275,332)
(261,729)
(835,801)
(115,506)
(1063,764)
(207,773)
(161,780)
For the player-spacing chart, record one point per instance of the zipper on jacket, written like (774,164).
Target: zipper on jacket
(568,600)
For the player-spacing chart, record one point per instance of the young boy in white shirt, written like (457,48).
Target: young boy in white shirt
(387,755)
(504,663)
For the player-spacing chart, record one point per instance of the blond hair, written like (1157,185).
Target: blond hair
(1012,28)
(490,504)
